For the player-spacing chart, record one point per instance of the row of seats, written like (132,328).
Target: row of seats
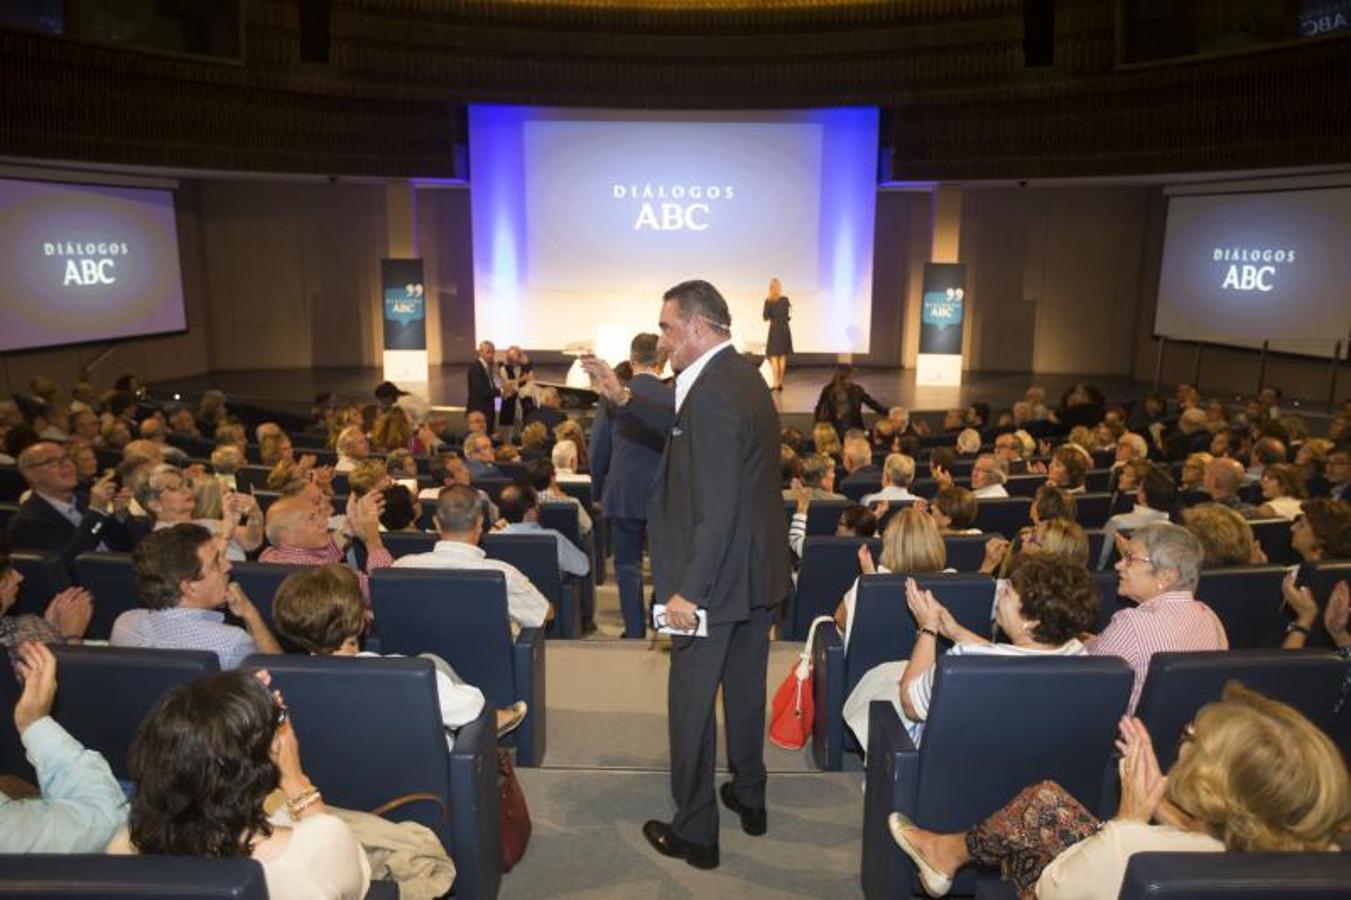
(1247,600)
(997,725)
(370,732)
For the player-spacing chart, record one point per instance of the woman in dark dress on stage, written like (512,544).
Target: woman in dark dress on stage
(780,342)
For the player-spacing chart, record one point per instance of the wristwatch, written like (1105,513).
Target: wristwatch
(930,632)
(1296,627)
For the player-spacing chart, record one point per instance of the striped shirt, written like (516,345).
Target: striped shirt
(1174,621)
(301,556)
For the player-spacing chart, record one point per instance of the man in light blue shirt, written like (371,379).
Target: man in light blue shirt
(82,805)
(519,505)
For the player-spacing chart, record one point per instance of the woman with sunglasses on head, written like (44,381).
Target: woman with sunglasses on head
(1251,774)
(205,759)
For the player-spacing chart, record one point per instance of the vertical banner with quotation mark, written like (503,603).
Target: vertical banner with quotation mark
(404,308)
(942,315)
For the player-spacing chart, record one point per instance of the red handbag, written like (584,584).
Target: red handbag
(514,816)
(791,715)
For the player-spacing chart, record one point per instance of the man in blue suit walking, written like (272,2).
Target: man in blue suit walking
(624,460)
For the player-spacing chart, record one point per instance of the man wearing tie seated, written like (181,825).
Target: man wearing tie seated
(459,522)
(57,519)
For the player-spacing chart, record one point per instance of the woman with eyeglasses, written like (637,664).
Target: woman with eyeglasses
(171,499)
(205,759)
(1159,569)
(1251,774)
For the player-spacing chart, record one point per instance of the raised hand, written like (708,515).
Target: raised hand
(923,605)
(70,612)
(1336,616)
(37,668)
(101,493)
(865,560)
(1300,600)
(1142,783)
(606,382)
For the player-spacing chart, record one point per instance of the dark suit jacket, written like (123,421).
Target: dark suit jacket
(716,527)
(481,390)
(39,526)
(625,453)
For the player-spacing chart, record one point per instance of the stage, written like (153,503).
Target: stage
(293,389)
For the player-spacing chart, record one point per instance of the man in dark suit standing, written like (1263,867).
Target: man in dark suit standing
(56,519)
(624,459)
(483,386)
(719,544)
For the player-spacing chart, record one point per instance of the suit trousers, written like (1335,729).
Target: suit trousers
(735,655)
(628,539)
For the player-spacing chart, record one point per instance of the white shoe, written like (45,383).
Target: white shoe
(935,883)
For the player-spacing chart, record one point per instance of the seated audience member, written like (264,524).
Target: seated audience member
(1222,480)
(954,511)
(564,458)
(352,446)
(211,411)
(167,496)
(479,457)
(86,463)
(1322,530)
(1061,538)
(273,448)
(1226,538)
(1252,775)
(226,461)
(391,431)
(401,511)
(858,463)
(898,473)
(144,452)
(459,522)
(114,433)
(1282,492)
(321,610)
(84,427)
(988,475)
(401,466)
(232,434)
(968,442)
(367,475)
(182,424)
(183,576)
(1338,473)
(475,422)
(1193,474)
(506,453)
(1228,443)
(1190,435)
(65,619)
(1050,502)
(827,441)
(543,477)
(571,430)
(55,518)
(818,476)
(297,529)
(1159,568)
(1336,618)
(1069,467)
(549,412)
(534,442)
(911,544)
(520,508)
(1042,609)
(1311,459)
(856,521)
(449,469)
(81,805)
(1154,501)
(1266,451)
(226,742)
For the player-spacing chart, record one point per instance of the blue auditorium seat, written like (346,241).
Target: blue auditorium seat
(581,492)
(44,576)
(492,486)
(252,478)
(461,616)
(1248,601)
(1004,515)
(536,556)
(996,725)
(857,490)
(965,552)
(259,582)
(104,692)
(1274,536)
(1092,510)
(1024,485)
(562,517)
(1237,876)
(823,516)
(111,578)
(1109,604)
(829,567)
(1321,578)
(405,543)
(1098,480)
(371,734)
(883,631)
(45,876)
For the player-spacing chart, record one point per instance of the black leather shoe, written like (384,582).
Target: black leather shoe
(668,843)
(754,822)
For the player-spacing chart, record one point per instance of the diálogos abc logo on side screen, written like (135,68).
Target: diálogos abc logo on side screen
(1251,269)
(88,263)
(673,207)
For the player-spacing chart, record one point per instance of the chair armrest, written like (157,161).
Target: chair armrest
(476,844)
(893,776)
(828,698)
(528,673)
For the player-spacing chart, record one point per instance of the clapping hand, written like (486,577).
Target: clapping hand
(1336,616)
(37,668)
(940,475)
(928,612)
(996,548)
(865,560)
(1142,783)
(1300,600)
(101,493)
(70,612)
(802,494)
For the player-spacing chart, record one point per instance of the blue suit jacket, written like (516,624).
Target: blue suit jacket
(625,453)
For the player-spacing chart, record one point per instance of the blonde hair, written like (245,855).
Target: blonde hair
(210,503)
(1259,776)
(1064,539)
(392,430)
(825,439)
(912,543)
(1226,537)
(534,436)
(365,475)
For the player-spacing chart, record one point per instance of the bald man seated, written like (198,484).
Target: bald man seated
(1223,478)
(297,530)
